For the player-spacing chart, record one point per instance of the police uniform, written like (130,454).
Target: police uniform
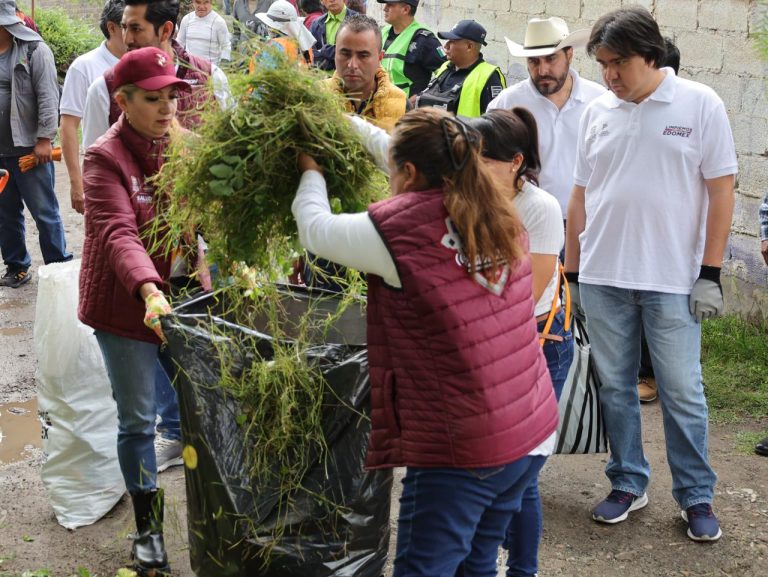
(449,90)
(466,91)
(410,64)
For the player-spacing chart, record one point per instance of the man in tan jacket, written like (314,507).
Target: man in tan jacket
(360,77)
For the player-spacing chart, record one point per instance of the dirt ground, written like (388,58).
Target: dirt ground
(652,542)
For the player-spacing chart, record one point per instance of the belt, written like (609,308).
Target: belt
(547,336)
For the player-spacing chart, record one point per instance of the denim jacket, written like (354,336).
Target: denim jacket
(34,94)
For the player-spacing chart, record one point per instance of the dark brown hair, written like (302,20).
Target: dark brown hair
(510,132)
(629,32)
(446,152)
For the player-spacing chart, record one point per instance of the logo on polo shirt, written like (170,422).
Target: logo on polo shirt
(683,131)
(596,131)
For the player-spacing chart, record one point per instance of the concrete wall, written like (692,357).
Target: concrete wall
(714,37)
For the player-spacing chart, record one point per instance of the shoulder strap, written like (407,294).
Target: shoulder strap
(553,310)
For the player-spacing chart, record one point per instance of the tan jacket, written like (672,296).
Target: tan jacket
(386,106)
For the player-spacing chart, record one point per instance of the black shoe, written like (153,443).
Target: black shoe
(148,551)
(762,447)
(15,278)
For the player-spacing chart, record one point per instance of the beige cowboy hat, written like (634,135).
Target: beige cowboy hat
(545,36)
(282,16)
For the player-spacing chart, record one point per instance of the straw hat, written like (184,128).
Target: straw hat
(545,36)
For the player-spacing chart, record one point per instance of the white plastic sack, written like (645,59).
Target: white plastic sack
(75,405)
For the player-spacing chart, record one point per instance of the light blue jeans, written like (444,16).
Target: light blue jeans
(614,317)
(132,367)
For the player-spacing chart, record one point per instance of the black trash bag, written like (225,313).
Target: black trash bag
(223,503)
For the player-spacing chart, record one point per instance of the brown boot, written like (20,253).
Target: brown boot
(646,389)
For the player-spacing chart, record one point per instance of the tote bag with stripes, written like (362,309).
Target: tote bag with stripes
(581,429)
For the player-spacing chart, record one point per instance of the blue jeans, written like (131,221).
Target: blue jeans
(450,517)
(34,189)
(167,405)
(524,531)
(132,367)
(614,318)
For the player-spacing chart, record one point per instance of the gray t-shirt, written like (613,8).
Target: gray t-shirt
(6,138)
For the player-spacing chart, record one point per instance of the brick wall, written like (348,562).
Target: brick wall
(714,37)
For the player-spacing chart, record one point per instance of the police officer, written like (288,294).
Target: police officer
(465,84)
(411,51)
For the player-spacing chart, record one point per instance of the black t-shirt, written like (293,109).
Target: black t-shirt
(425,55)
(452,77)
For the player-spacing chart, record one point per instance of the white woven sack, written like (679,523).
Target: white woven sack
(75,405)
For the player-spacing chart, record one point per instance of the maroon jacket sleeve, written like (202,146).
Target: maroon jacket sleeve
(113,216)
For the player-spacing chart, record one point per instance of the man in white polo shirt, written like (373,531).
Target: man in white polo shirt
(83,71)
(555,94)
(648,224)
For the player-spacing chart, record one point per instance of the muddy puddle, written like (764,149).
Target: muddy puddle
(19,431)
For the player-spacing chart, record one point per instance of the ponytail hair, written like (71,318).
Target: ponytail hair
(446,152)
(507,133)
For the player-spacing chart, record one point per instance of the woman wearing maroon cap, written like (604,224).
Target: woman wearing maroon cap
(120,279)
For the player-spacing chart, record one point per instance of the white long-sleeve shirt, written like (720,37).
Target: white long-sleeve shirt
(207,37)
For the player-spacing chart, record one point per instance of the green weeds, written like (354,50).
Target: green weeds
(735,367)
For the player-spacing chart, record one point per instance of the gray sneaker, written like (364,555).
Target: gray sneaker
(167,453)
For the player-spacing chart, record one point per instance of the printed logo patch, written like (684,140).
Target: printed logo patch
(683,131)
(452,240)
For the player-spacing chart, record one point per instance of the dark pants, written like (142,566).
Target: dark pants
(454,516)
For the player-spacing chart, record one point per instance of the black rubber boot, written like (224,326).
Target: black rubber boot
(148,552)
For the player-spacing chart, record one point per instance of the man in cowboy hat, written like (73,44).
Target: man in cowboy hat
(466,83)
(411,51)
(29,102)
(555,94)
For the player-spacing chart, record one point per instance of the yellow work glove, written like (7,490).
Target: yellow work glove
(157,306)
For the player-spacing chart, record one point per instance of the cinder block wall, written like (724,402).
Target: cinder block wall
(714,37)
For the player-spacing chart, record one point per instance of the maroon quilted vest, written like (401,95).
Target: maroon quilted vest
(458,376)
(195,70)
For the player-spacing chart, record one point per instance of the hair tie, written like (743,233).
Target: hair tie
(471,135)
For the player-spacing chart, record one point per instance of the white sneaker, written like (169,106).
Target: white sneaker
(167,453)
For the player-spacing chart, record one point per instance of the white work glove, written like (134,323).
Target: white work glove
(573,287)
(706,300)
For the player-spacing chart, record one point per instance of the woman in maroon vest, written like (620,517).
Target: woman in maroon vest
(120,280)
(461,394)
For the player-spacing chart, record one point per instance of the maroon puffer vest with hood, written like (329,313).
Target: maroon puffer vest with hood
(458,375)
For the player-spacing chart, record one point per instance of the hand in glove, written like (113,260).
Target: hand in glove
(573,288)
(706,300)
(157,306)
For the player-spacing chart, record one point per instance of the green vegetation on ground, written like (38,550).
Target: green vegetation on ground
(734,355)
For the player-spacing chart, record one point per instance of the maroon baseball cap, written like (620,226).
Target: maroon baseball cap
(149,68)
